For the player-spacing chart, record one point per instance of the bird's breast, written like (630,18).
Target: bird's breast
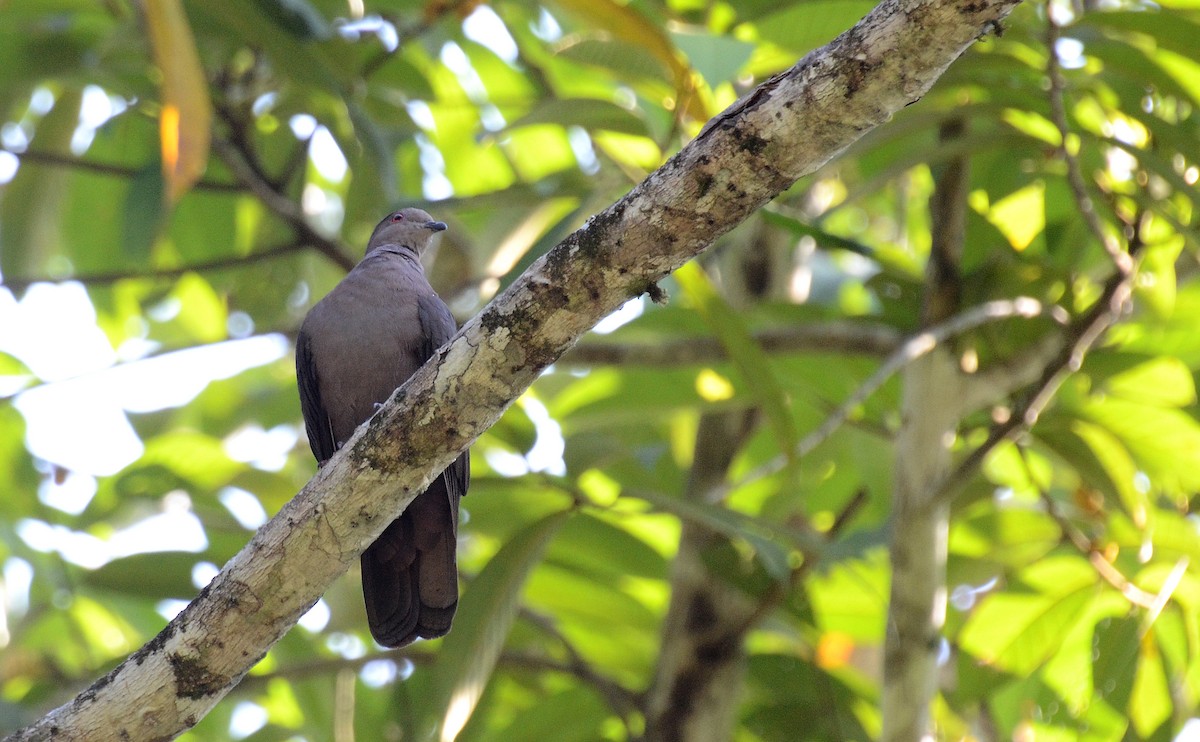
(363,348)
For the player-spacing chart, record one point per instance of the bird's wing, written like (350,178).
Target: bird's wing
(437,327)
(316,420)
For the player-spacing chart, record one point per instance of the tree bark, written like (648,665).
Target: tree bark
(699,678)
(931,409)
(784,129)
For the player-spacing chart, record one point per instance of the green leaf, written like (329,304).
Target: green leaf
(718,59)
(469,652)
(748,357)
(202,317)
(767,539)
(143,213)
(1118,466)
(851,595)
(1162,382)
(1019,631)
(627,60)
(588,113)
(10,365)
(624,22)
(1150,704)
(157,575)
(787,693)
(1172,31)
(31,225)
(179,458)
(1115,647)
(1012,535)
(1020,216)
(297,17)
(1165,443)
(595,546)
(1157,282)
(574,715)
(823,238)
(804,26)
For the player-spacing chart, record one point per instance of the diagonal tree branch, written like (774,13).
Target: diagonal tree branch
(903,355)
(1068,149)
(283,207)
(786,128)
(1080,337)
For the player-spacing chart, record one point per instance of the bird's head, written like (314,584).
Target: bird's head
(410,228)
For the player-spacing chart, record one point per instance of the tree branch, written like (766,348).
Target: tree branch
(104,279)
(909,351)
(104,168)
(281,205)
(823,337)
(1058,113)
(702,658)
(1080,337)
(788,127)
(930,413)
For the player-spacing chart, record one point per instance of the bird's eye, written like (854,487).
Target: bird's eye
(397,217)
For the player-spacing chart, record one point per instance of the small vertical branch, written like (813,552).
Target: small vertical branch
(1078,185)
(701,667)
(948,207)
(930,412)
(343,705)
(695,693)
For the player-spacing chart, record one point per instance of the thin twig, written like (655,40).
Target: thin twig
(823,337)
(1168,589)
(1058,113)
(1084,545)
(53,159)
(1081,336)
(914,348)
(281,205)
(918,346)
(779,590)
(620,699)
(105,279)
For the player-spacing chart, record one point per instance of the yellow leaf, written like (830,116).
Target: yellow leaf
(1021,216)
(629,25)
(713,387)
(186,118)
(834,650)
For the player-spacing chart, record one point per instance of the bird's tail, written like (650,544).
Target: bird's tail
(410,573)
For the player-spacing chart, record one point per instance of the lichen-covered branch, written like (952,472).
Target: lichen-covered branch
(786,128)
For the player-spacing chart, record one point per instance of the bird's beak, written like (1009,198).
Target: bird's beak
(435,226)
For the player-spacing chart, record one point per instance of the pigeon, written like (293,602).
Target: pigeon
(355,347)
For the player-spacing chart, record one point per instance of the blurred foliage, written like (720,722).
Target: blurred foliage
(513,121)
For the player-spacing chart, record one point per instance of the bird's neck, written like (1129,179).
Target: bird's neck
(404,252)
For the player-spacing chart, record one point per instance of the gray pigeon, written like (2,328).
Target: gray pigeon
(356,346)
